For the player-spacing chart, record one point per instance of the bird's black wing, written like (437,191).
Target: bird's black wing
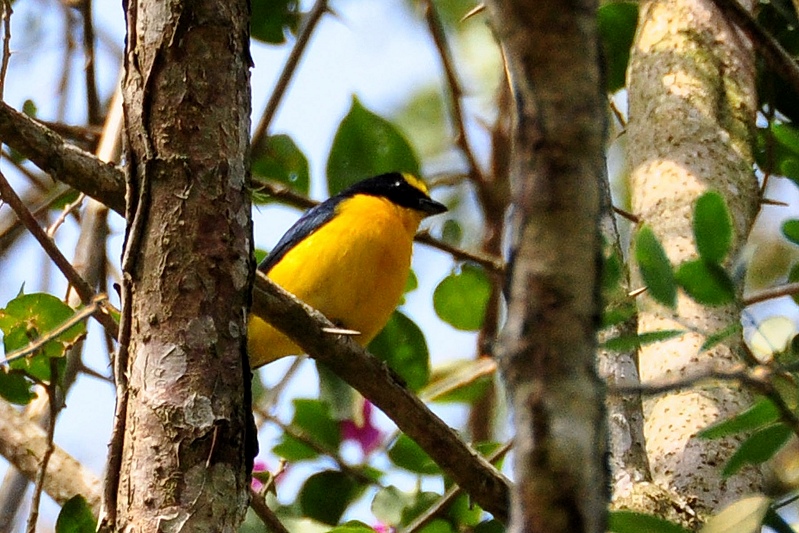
(309,222)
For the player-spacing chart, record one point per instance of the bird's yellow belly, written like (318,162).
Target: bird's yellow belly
(356,285)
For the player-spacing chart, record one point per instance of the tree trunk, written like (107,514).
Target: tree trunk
(692,109)
(187,267)
(547,348)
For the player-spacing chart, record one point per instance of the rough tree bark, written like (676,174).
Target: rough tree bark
(187,268)
(548,345)
(692,107)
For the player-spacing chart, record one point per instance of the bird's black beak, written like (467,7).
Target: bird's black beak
(430,207)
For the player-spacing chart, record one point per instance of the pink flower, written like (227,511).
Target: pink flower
(366,434)
(258,466)
(382,528)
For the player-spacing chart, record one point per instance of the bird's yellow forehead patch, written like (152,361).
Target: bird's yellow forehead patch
(413,181)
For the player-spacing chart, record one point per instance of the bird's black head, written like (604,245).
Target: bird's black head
(402,189)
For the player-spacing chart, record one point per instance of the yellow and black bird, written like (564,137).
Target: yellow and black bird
(349,257)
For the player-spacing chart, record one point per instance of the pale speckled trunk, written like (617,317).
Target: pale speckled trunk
(548,343)
(187,265)
(692,107)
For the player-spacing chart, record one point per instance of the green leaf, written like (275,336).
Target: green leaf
(461,298)
(489,526)
(312,419)
(75,517)
(787,136)
(618,312)
(271,19)
(707,283)
(437,525)
(742,516)
(790,228)
(405,453)
(789,167)
(353,526)
(395,507)
(389,504)
(279,159)
(15,388)
(451,232)
(763,412)
(758,448)
(401,344)
(720,336)
(463,512)
(366,145)
(458,381)
(30,316)
(655,267)
(630,522)
(626,343)
(412,284)
(712,227)
(616,23)
(326,495)
(793,277)
(29,108)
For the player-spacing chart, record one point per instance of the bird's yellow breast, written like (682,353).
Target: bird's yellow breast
(353,269)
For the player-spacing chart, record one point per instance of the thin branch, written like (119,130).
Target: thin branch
(494,265)
(635,219)
(83,289)
(449,496)
(303,325)
(92,99)
(320,449)
(6,45)
(267,516)
(456,93)
(52,393)
(69,208)
(758,378)
(304,35)
(769,48)
(789,289)
(63,161)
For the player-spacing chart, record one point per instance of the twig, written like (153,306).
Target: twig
(79,316)
(788,289)
(450,495)
(6,45)
(52,389)
(456,93)
(269,518)
(769,48)
(758,377)
(303,325)
(320,449)
(92,99)
(494,265)
(304,35)
(83,289)
(635,219)
(69,208)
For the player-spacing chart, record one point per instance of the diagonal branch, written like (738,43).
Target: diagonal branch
(63,161)
(305,326)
